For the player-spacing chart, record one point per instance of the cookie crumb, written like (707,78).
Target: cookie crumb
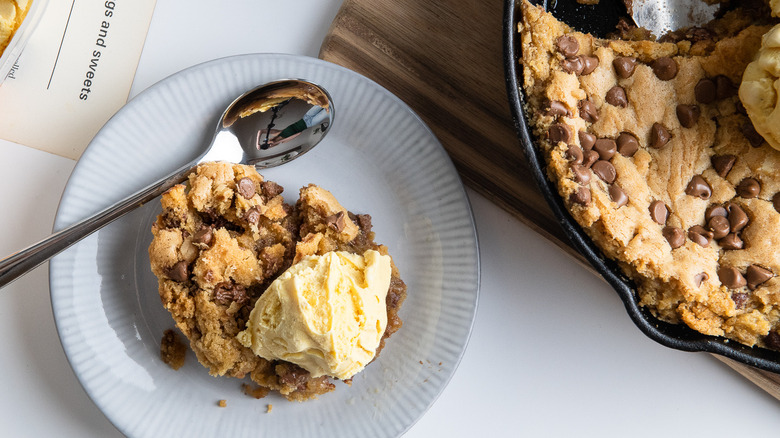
(257,392)
(172,349)
(222,403)
(269,408)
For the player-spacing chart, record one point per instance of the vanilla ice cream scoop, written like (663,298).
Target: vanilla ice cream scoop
(760,88)
(325,314)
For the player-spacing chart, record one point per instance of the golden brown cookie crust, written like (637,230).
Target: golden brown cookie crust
(678,278)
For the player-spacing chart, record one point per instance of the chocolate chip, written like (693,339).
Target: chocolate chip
(772,340)
(753,137)
(731,242)
(271,189)
(738,219)
(658,212)
(246,188)
(715,210)
(674,236)
(336,221)
(723,164)
(756,276)
(554,108)
(748,188)
(719,226)
(659,136)
(698,187)
(204,235)
(731,277)
(618,195)
(559,132)
(567,45)
(695,34)
(606,147)
(700,235)
(624,66)
(665,68)
(591,157)
(700,278)
(776,201)
(617,96)
(573,65)
(705,91)
(587,140)
(739,298)
(581,174)
(589,63)
(252,215)
(580,196)
(688,115)
(226,293)
(292,376)
(574,154)
(364,222)
(627,144)
(605,170)
(588,111)
(724,87)
(178,272)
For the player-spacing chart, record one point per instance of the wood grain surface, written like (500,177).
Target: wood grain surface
(444,59)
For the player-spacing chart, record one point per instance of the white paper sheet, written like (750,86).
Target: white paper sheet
(74,74)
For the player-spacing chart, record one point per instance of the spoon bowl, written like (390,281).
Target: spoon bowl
(658,16)
(272,124)
(264,127)
(663,16)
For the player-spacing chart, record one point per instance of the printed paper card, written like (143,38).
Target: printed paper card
(74,74)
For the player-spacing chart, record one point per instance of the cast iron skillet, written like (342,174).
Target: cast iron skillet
(599,20)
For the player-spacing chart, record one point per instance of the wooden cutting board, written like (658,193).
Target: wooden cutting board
(444,59)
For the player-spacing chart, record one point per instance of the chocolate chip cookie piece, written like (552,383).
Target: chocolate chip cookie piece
(229,239)
(218,243)
(689,196)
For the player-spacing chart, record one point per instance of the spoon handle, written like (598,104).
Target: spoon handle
(23,261)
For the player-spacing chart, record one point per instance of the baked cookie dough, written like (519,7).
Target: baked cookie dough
(222,238)
(654,156)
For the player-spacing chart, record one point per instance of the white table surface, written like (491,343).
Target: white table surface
(553,352)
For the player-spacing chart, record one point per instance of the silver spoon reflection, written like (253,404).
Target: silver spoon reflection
(663,16)
(264,127)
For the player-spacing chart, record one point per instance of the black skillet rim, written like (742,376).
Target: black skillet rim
(676,336)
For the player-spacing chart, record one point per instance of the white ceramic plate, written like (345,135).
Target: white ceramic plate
(379,158)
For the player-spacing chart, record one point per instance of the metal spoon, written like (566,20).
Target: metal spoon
(663,16)
(265,127)
(657,16)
